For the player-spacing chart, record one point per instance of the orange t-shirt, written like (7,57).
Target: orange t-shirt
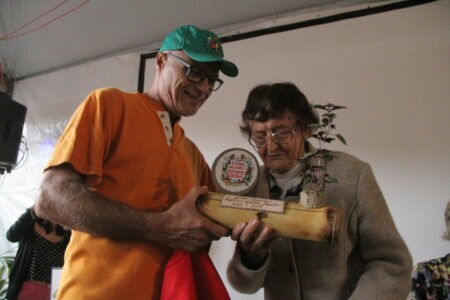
(118,140)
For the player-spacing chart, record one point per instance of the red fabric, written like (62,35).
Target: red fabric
(192,276)
(34,291)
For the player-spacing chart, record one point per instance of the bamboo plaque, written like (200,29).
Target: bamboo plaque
(287,219)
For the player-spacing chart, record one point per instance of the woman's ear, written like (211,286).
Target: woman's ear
(306,133)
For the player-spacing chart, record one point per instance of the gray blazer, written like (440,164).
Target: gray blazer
(368,260)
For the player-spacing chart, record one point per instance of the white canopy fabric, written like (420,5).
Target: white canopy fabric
(40,36)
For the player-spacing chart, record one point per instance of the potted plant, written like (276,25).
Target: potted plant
(6,262)
(315,176)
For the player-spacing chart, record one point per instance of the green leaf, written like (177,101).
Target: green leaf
(321,193)
(332,116)
(319,106)
(330,179)
(2,285)
(307,155)
(314,125)
(328,157)
(341,138)
(338,107)
(325,121)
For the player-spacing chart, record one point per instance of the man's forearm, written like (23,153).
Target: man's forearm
(65,200)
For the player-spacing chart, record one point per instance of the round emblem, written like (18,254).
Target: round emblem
(235,171)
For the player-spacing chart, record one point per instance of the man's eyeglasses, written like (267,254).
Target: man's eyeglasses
(196,76)
(279,137)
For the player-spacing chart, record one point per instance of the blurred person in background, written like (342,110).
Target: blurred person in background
(41,247)
(431,279)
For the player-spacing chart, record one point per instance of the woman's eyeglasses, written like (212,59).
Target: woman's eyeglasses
(279,137)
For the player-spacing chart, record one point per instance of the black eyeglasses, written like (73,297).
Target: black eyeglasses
(279,137)
(196,76)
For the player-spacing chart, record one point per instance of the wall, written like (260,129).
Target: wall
(50,100)
(391,70)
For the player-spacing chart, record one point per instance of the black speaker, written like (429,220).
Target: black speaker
(12,118)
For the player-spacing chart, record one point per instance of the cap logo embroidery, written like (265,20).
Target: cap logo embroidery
(213,45)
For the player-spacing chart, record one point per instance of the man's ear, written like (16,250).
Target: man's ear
(160,61)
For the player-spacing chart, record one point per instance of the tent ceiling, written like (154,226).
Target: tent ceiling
(78,31)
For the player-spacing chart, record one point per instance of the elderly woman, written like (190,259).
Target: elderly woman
(369,260)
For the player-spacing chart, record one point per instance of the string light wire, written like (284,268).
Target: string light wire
(10,35)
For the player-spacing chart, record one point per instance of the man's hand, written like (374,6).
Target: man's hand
(65,199)
(183,227)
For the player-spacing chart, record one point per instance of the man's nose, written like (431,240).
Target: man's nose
(204,85)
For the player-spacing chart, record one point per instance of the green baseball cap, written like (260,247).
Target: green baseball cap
(200,45)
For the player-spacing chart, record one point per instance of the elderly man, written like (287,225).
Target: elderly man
(125,178)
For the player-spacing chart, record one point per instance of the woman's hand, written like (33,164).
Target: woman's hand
(255,242)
